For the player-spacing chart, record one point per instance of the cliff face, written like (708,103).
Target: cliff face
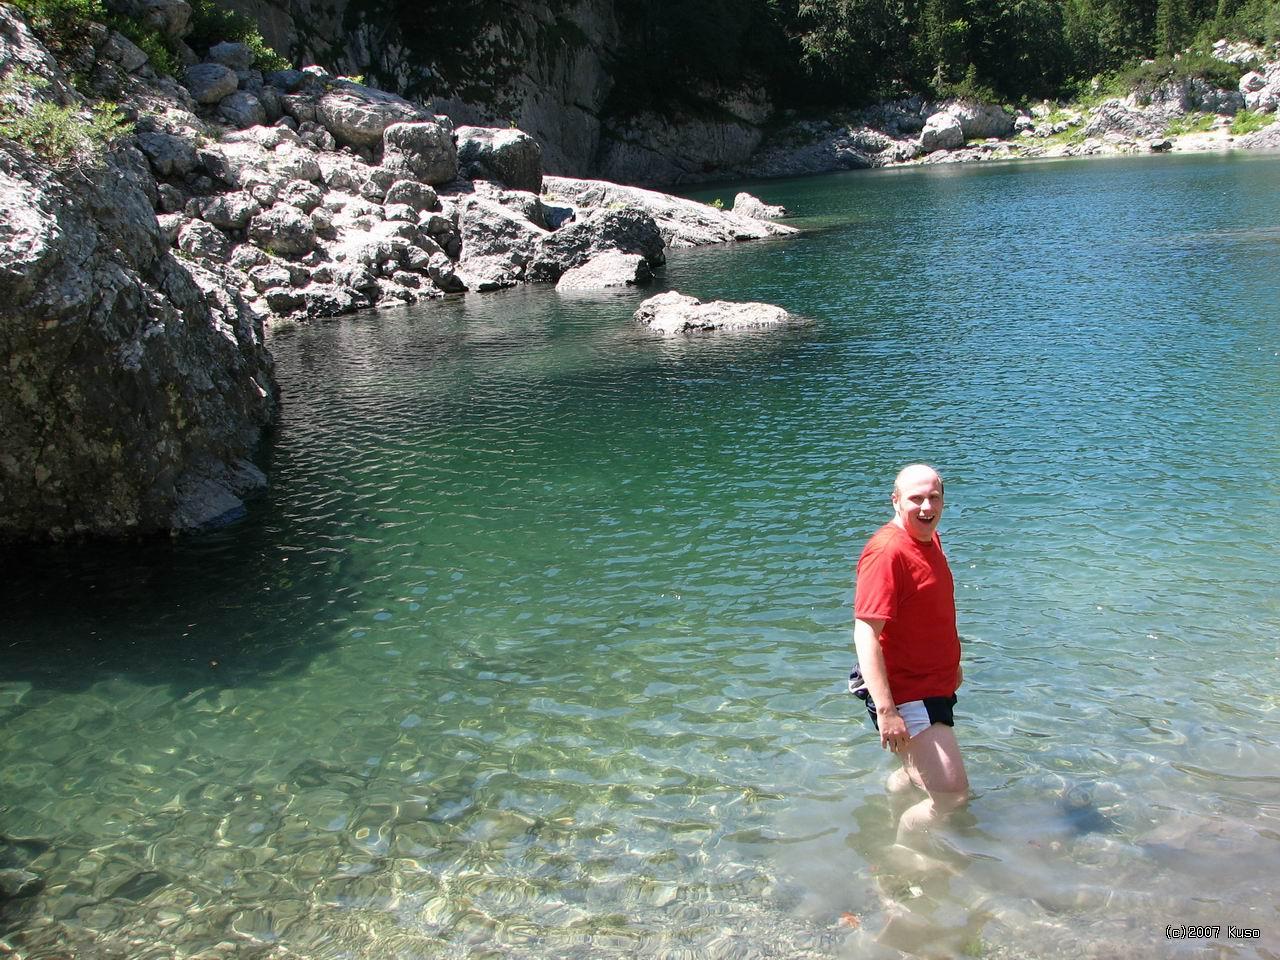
(547,66)
(135,384)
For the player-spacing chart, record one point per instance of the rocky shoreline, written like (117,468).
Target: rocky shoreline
(142,286)
(1187,115)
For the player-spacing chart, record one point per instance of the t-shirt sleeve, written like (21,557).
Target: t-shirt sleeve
(876,596)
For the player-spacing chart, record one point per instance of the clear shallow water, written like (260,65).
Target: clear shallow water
(535,646)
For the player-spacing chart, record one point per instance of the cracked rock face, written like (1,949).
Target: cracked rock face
(136,384)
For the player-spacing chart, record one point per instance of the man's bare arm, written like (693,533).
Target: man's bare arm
(866,641)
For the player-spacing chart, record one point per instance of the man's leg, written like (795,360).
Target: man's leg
(932,760)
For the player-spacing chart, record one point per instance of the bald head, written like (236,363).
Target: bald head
(915,472)
(917,500)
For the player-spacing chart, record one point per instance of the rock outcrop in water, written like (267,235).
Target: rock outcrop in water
(137,289)
(672,314)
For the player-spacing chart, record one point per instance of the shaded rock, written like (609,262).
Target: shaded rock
(123,52)
(1160,145)
(610,269)
(168,155)
(681,222)
(236,56)
(942,131)
(242,109)
(511,157)
(16,884)
(497,245)
(170,17)
(287,81)
(748,206)
(358,115)
(627,231)
(211,82)
(422,150)
(211,496)
(283,230)
(129,371)
(673,313)
(444,275)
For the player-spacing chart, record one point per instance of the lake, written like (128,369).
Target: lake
(536,645)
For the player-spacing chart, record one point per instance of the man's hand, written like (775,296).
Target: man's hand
(959,675)
(893,729)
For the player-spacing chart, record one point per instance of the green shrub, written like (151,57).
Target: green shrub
(1250,121)
(62,24)
(1153,73)
(717,203)
(63,136)
(212,24)
(1191,123)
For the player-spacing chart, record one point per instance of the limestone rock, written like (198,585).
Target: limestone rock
(211,82)
(511,157)
(497,245)
(123,52)
(242,109)
(129,372)
(230,211)
(236,56)
(418,196)
(169,155)
(283,230)
(981,120)
(681,222)
(203,240)
(673,313)
(421,150)
(610,269)
(627,231)
(358,115)
(746,205)
(942,131)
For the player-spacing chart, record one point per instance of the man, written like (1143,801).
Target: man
(908,649)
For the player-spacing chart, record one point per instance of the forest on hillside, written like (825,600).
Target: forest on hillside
(848,51)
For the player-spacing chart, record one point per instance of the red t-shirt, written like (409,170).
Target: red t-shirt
(908,585)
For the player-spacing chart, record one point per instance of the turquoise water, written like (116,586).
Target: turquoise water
(535,646)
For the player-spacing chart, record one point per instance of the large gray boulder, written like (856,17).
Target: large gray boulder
(210,82)
(357,115)
(169,155)
(979,121)
(511,157)
(242,109)
(422,150)
(942,131)
(746,205)
(131,377)
(170,17)
(672,314)
(605,270)
(628,231)
(497,244)
(283,230)
(1120,117)
(681,222)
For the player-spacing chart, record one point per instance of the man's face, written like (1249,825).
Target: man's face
(917,503)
